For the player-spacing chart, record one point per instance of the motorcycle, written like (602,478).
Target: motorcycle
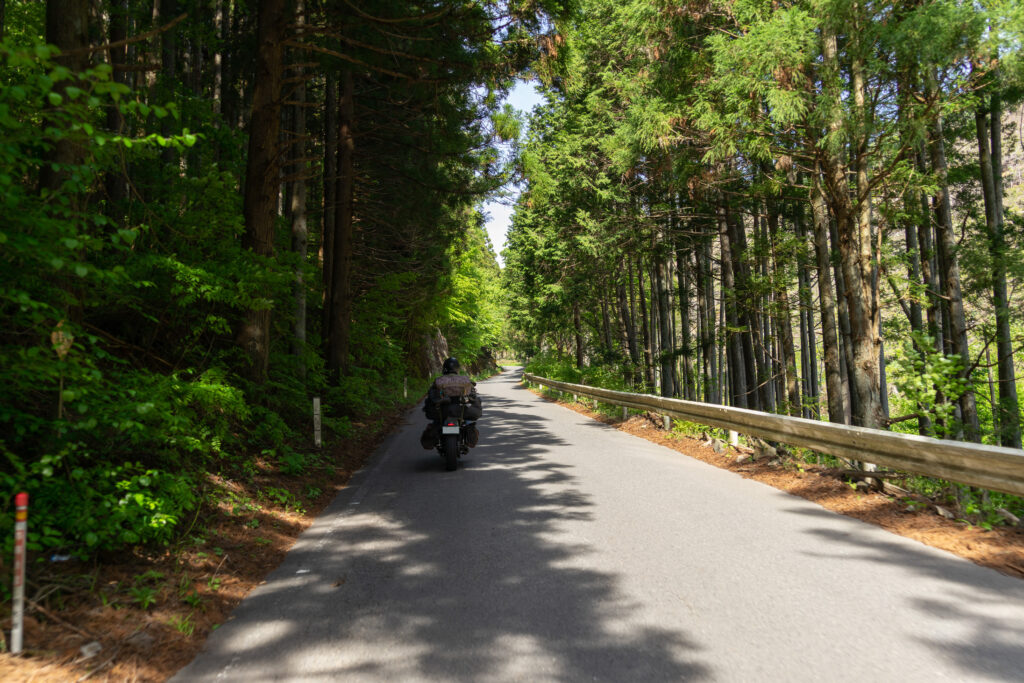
(452,431)
(458,432)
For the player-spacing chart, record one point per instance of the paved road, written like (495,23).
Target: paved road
(565,550)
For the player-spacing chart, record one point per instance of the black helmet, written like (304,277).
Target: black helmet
(450,367)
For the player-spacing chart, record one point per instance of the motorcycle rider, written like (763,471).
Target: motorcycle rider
(450,379)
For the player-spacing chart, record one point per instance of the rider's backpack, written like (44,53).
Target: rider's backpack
(454,385)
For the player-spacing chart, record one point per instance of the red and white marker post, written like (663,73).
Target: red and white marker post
(20,533)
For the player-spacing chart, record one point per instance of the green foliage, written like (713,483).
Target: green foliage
(925,377)
(693,430)
(562,367)
(185,625)
(281,497)
(95,424)
(145,588)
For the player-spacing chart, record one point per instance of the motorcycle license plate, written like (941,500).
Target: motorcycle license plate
(449,429)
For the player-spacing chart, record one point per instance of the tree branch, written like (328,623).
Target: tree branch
(127,41)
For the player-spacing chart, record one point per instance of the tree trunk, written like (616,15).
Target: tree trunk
(229,63)
(703,333)
(785,320)
(625,332)
(883,387)
(812,407)
(645,330)
(741,278)
(341,278)
(606,326)
(663,281)
(724,381)
(916,209)
(168,71)
(637,370)
(577,330)
(766,344)
(300,228)
(759,316)
(67,27)
(218,56)
(951,275)
(261,178)
(652,311)
(711,355)
(853,222)
(682,275)
(737,368)
(629,327)
(1006,413)
(115,182)
(330,185)
(826,297)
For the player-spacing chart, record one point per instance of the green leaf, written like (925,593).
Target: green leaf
(81,270)
(55,99)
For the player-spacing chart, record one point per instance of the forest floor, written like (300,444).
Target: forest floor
(142,617)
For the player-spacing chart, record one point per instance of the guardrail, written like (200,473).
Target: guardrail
(991,467)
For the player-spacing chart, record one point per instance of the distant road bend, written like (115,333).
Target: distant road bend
(565,550)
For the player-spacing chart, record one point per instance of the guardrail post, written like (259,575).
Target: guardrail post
(316,422)
(734,438)
(625,413)
(667,422)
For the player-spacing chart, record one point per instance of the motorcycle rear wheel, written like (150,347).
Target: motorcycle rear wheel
(450,450)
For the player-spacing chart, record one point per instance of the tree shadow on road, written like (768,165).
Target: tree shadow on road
(486,579)
(981,600)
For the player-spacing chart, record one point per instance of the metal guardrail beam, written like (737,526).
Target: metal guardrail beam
(991,467)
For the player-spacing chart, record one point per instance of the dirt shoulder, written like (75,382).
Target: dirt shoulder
(1001,548)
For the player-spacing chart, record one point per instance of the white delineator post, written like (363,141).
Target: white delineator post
(734,438)
(18,607)
(316,422)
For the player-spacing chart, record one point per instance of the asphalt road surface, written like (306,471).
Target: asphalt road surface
(564,550)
